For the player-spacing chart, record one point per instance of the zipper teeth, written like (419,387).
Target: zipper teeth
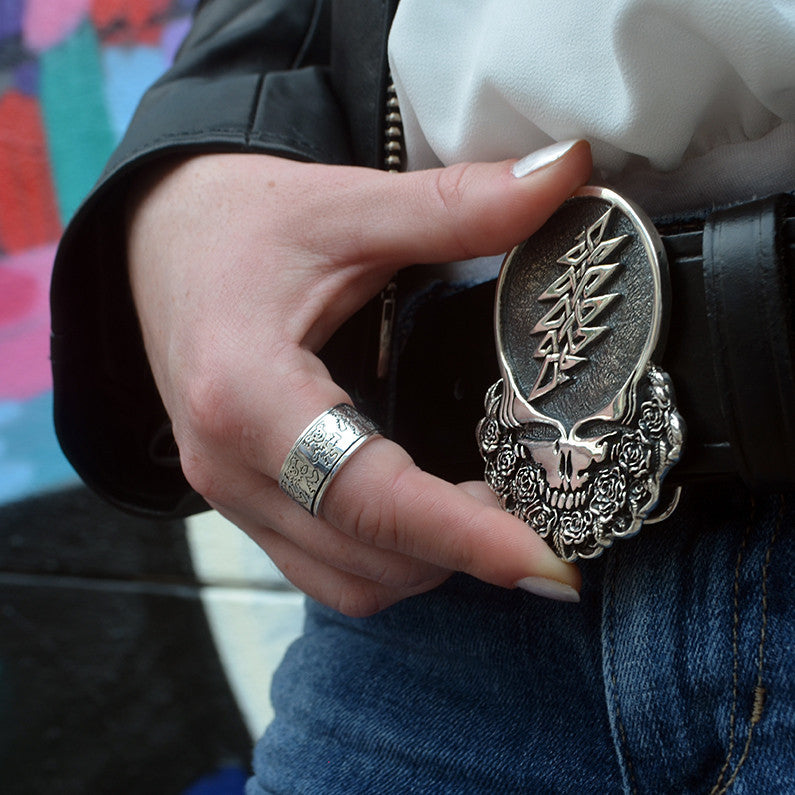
(393,162)
(393,132)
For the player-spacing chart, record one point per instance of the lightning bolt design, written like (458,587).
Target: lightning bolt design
(567,325)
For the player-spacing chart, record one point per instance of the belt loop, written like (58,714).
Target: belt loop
(750,323)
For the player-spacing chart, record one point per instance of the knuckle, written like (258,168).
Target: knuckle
(395,575)
(359,601)
(202,476)
(368,517)
(450,187)
(358,521)
(206,425)
(450,184)
(207,406)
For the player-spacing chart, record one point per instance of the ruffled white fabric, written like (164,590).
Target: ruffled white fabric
(687,103)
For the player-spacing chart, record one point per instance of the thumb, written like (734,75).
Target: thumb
(473,209)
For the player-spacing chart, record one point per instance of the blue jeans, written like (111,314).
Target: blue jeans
(675,674)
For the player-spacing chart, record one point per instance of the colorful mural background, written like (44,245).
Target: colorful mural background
(71,74)
(135,656)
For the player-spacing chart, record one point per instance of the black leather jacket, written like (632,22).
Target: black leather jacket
(303,79)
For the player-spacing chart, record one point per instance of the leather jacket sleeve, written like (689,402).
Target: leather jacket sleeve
(252,76)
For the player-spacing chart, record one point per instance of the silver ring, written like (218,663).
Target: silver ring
(320,452)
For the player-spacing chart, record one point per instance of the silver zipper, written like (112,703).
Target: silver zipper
(393,132)
(393,162)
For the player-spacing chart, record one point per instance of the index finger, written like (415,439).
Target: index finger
(381,497)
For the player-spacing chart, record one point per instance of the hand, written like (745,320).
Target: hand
(242,266)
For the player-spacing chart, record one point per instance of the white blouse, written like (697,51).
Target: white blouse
(686,103)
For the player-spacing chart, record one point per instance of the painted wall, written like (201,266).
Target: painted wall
(135,656)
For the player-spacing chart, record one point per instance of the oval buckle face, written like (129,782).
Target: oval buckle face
(582,427)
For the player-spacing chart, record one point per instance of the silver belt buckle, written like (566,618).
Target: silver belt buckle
(582,427)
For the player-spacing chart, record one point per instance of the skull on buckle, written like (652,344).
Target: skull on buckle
(582,428)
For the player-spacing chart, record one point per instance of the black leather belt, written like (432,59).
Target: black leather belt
(730,353)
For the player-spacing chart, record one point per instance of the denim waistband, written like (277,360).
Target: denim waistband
(676,674)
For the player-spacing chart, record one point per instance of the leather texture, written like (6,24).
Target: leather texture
(359,69)
(728,351)
(306,79)
(749,311)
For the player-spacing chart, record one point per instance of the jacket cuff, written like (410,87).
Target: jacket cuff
(108,415)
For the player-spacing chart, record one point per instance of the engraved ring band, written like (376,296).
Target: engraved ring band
(321,451)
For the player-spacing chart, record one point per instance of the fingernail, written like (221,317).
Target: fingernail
(549,589)
(541,157)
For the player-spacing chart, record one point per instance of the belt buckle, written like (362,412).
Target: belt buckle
(582,427)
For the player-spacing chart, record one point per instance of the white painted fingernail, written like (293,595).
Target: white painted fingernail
(549,589)
(540,158)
